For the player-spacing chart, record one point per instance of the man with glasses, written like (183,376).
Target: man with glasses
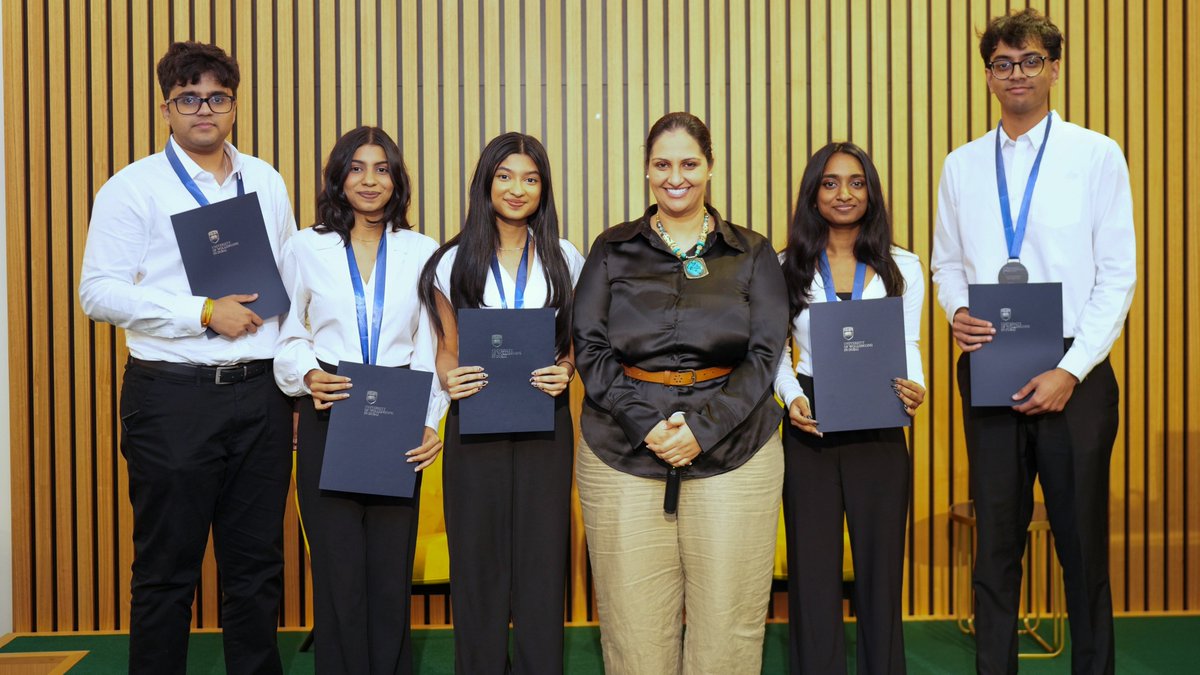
(1075,228)
(206,433)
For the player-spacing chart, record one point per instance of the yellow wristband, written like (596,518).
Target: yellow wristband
(206,313)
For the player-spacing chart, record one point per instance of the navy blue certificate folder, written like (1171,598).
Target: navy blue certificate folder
(1028,341)
(510,344)
(225,250)
(857,348)
(370,431)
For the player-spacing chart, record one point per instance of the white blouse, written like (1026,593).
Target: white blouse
(323,321)
(536,291)
(788,387)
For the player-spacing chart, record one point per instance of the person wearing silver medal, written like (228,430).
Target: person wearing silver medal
(352,278)
(680,317)
(839,232)
(1073,225)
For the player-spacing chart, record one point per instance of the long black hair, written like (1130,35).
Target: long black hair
(808,233)
(334,213)
(478,239)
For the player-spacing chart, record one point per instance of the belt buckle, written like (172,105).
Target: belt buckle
(686,372)
(232,370)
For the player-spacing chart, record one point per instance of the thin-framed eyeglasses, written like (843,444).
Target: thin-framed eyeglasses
(190,105)
(1031,66)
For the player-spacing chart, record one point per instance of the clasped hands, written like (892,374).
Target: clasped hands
(673,441)
(1047,392)
(328,388)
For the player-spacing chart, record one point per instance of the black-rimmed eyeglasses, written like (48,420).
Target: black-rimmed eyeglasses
(1031,66)
(190,105)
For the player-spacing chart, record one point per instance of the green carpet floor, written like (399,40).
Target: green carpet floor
(1159,645)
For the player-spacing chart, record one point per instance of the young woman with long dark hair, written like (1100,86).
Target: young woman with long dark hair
(507,496)
(840,224)
(361,546)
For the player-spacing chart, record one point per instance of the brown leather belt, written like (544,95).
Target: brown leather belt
(676,378)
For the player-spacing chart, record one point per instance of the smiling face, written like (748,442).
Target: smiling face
(1021,94)
(204,132)
(516,189)
(842,195)
(678,173)
(368,185)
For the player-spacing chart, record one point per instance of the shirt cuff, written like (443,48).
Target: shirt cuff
(636,417)
(1076,363)
(188,314)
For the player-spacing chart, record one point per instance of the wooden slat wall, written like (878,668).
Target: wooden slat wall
(775,80)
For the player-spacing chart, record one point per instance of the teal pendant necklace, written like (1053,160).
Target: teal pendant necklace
(693,264)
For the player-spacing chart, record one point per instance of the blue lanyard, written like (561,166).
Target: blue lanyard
(369,353)
(1015,236)
(191,184)
(522,279)
(860,277)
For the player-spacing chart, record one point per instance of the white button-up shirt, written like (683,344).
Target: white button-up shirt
(536,291)
(133,276)
(323,321)
(1080,229)
(788,388)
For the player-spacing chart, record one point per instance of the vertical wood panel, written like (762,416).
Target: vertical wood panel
(775,80)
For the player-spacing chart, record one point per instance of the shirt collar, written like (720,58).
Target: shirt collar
(193,169)
(1034,136)
(718,227)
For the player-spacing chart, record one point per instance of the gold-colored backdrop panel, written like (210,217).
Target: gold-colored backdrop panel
(775,80)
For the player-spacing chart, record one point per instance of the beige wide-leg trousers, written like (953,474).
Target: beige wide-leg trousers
(713,559)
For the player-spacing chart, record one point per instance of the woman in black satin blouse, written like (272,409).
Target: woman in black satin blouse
(680,318)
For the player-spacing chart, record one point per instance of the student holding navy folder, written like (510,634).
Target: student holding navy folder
(840,249)
(1038,199)
(205,431)
(352,279)
(507,494)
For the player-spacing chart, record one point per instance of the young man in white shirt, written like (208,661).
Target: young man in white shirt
(205,431)
(1079,231)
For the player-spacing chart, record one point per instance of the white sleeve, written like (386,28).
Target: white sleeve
(117,240)
(574,260)
(1114,248)
(787,387)
(425,354)
(947,261)
(914,298)
(294,355)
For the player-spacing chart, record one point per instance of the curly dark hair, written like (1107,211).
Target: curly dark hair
(334,213)
(1017,29)
(186,62)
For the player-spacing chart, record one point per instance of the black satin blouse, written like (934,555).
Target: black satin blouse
(634,306)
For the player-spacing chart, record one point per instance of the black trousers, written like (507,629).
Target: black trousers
(205,456)
(361,548)
(864,475)
(508,510)
(1069,453)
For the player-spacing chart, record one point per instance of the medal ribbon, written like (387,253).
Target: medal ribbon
(860,277)
(370,347)
(1015,236)
(522,278)
(187,180)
